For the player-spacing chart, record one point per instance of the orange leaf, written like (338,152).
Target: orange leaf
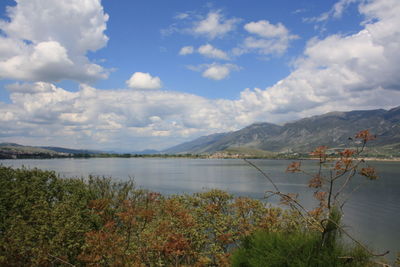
(294,167)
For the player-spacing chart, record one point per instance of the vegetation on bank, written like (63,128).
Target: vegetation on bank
(46,220)
(299,248)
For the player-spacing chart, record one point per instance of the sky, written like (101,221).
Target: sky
(130,75)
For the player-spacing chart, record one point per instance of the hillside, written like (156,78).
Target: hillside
(11,150)
(332,129)
(70,150)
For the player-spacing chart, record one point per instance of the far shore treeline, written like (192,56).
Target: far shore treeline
(15,151)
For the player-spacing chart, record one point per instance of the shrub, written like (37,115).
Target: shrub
(46,220)
(41,217)
(277,249)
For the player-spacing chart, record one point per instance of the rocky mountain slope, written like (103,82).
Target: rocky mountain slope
(332,129)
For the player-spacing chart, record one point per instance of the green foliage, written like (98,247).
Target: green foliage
(331,229)
(267,249)
(41,215)
(46,220)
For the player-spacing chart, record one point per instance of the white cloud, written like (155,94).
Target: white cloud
(214,71)
(335,12)
(212,52)
(48,40)
(186,50)
(264,46)
(271,39)
(358,71)
(181,16)
(214,25)
(206,50)
(109,118)
(265,29)
(340,7)
(218,71)
(141,80)
(27,88)
(300,10)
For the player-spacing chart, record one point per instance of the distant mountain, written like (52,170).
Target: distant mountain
(12,150)
(70,150)
(146,152)
(16,148)
(332,129)
(199,145)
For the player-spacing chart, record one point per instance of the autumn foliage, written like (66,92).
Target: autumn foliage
(50,221)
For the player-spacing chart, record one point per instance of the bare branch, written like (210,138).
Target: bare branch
(61,260)
(263,173)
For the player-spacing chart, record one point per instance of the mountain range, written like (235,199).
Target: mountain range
(332,129)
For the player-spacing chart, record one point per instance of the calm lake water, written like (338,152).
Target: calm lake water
(372,214)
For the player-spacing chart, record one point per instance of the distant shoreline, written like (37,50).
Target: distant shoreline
(363,158)
(191,156)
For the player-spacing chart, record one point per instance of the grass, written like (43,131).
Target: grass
(276,249)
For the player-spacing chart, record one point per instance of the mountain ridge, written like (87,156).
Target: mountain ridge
(332,129)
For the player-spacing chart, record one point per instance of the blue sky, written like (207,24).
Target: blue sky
(129,75)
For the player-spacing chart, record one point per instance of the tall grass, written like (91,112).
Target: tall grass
(300,249)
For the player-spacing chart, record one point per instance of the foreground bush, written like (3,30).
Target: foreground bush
(46,220)
(41,215)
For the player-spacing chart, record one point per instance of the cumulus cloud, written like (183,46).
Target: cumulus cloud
(212,52)
(28,88)
(186,50)
(141,80)
(265,29)
(206,50)
(214,25)
(270,38)
(113,118)
(215,71)
(48,40)
(341,72)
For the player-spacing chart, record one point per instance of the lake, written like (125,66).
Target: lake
(372,214)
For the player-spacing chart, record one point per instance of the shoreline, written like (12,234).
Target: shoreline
(394,159)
